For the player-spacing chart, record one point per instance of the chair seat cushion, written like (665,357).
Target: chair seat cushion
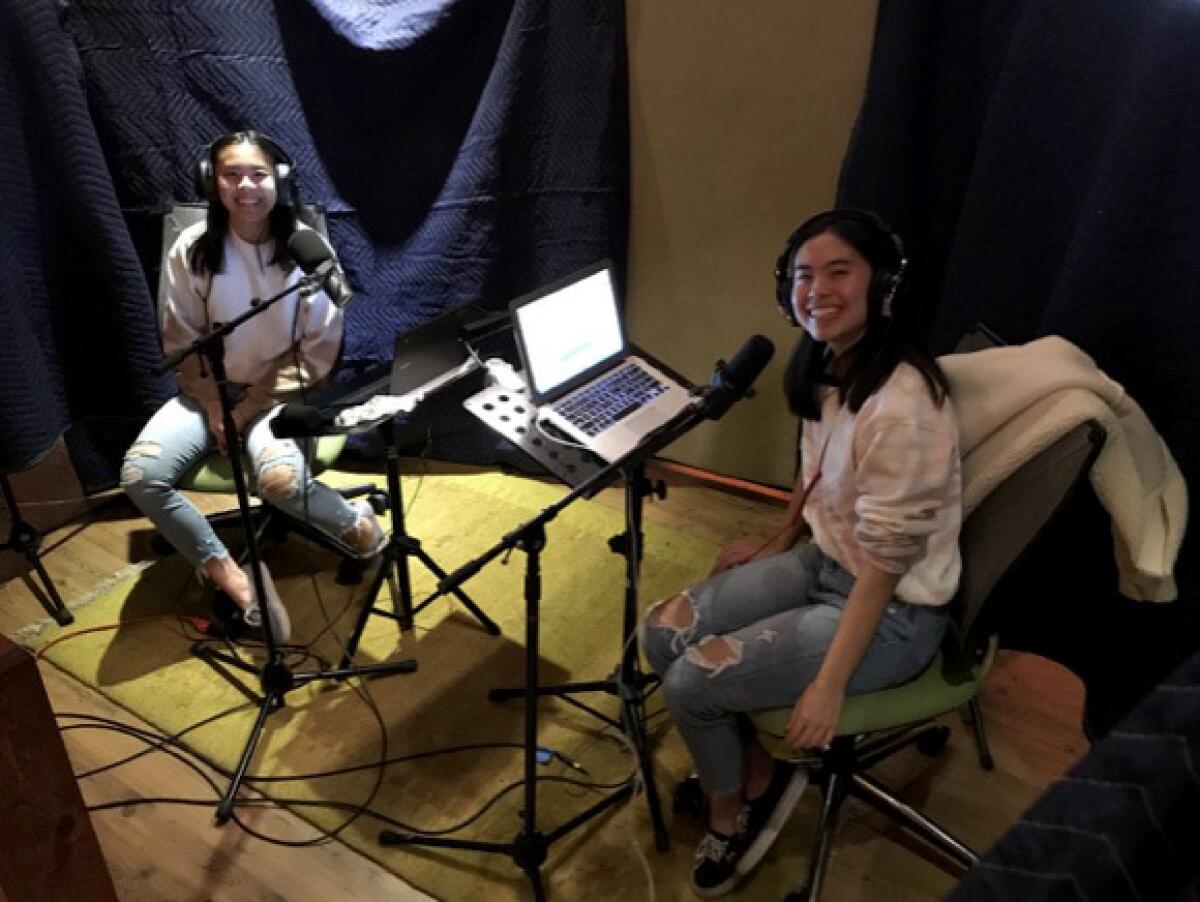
(936,690)
(213,473)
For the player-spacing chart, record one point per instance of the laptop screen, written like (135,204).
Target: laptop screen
(569,329)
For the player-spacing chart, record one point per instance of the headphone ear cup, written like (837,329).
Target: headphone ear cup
(205,184)
(285,186)
(891,285)
(783,283)
(882,289)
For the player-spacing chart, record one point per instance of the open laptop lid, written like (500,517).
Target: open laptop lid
(427,352)
(568,331)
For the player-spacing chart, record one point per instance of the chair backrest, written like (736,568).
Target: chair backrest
(997,533)
(180,216)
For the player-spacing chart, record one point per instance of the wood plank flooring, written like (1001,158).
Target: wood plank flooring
(156,852)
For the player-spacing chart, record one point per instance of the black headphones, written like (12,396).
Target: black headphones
(285,169)
(885,280)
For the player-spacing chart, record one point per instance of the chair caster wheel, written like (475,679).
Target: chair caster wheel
(933,742)
(689,797)
(379,501)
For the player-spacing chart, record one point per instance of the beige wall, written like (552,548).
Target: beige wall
(740,115)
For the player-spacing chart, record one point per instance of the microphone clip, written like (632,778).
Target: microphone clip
(720,378)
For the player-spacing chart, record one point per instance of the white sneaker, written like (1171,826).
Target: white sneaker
(281,625)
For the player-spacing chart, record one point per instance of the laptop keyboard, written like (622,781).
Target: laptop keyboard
(610,398)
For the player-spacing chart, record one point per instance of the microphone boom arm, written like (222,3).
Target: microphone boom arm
(172,361)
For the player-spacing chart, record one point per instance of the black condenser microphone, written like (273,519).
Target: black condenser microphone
(301,421)
(313,254)
(731,381)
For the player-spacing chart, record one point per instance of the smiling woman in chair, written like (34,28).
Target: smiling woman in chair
(214,270)
(862,605)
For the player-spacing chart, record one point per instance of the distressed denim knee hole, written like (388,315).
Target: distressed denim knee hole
(143,449)
(278,481)
(131,472)
(716,654)
(681,633)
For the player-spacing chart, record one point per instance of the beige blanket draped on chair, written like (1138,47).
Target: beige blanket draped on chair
(1013,401)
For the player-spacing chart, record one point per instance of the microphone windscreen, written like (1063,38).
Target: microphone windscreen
(300,421)
(750,360)
(309,249)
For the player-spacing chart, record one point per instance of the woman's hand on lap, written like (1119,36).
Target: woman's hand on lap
(815,717)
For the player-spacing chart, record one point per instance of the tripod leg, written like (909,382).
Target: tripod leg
(385,567)
(485,621)
(25,539)
(535,881)
(225,809)
(407,545)
(635,729)
(53,604)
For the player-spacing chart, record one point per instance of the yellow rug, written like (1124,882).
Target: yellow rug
(145,665)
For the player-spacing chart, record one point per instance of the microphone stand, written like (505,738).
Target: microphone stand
(529,848)
(276,677)
(24,538)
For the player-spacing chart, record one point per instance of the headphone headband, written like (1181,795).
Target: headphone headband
(884,280)
(284,168)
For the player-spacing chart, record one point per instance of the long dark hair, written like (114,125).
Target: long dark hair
(208,253)
(891,337)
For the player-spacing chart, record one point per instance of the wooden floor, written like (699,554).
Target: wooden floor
(1032,708)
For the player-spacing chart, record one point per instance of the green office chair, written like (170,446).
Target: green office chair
(213,474)
(876,725)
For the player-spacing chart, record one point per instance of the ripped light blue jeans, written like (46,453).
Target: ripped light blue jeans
(177,437)
(778,617)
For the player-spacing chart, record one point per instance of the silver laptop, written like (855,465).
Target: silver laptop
(581,374)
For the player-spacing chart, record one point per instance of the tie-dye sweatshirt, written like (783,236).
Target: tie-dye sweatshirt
(890,490)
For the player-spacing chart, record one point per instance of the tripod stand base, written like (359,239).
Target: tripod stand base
(277,680)
(528,849)
(25,539)
(632,695)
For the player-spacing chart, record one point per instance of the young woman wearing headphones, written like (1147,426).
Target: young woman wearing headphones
(214,270)
(861,605)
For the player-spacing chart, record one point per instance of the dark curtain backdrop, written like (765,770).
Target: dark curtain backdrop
(1042,158)
(466,151)
(77,333)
